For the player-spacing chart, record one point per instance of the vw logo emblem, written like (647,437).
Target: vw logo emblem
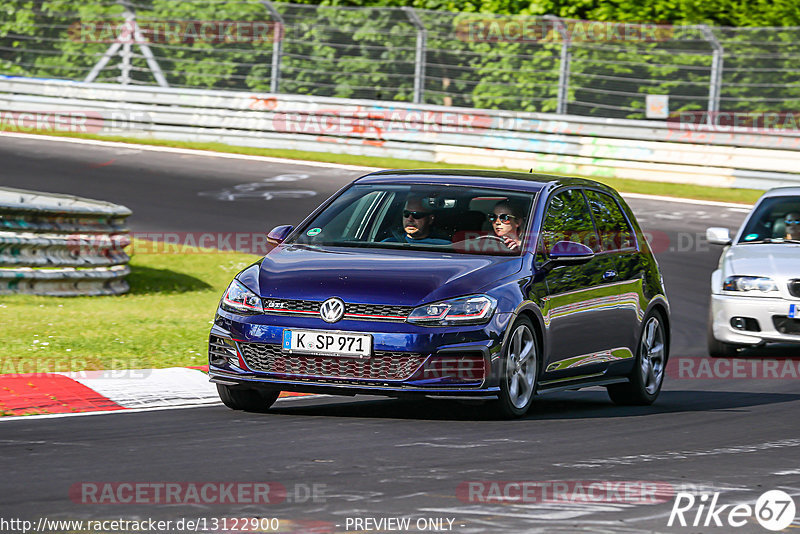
(332,310)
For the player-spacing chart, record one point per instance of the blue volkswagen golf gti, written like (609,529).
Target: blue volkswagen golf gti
(450,284)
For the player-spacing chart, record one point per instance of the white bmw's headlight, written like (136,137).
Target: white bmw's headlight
(475,309)
(750,284)
(239,299)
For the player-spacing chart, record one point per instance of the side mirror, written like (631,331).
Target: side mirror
(567,253)
(718,236)
(278,234)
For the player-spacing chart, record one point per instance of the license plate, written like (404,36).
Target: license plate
(319,342)
(793,311)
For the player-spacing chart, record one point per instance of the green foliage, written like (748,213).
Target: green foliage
(714,12)
(347,53)
(66,38)
(331,49)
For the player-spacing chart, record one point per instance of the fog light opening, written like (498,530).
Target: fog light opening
(747,324)
(466,368)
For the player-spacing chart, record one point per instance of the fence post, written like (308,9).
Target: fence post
(277,46)
(419,62)
(715,83)
(563,71)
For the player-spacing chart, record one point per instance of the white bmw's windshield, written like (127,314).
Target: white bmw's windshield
(775,219)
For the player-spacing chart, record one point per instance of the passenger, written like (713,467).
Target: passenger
(506,221)
(418,225)
(792,221)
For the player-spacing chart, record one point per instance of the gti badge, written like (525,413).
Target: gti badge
(332,310)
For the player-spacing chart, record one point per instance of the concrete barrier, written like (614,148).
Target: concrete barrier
(61,245)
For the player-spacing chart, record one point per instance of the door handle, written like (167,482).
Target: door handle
(609,275)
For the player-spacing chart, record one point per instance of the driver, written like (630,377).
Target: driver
(417,225)
(792,221)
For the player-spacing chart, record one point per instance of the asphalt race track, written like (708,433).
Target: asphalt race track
(343,459)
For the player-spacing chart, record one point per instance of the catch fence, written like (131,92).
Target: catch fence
(516,63)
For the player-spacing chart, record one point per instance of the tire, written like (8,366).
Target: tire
(249,400)
(519,370)
(647,377)
(718,349)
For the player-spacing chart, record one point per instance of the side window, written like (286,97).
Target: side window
(567,219)
(615,232)
(354,220)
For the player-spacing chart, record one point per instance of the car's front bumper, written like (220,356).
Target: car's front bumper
(407,359)
(326,387)
(763,310)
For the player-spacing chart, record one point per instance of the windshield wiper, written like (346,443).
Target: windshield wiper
(760,241)
(769,240)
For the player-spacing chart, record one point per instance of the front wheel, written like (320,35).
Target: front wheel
(648,373)
(519,370)
(249,400)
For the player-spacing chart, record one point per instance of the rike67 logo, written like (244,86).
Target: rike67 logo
(774,510)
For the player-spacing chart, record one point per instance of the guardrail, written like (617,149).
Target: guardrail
(577,145)
(61,245)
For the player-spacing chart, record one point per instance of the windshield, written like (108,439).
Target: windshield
(456,219)
(775,219)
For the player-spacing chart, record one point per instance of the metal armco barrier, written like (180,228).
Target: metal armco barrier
(568,144)
(61,245)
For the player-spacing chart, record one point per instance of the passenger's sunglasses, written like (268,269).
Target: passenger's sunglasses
(792,222)
(504,217)
(415,214)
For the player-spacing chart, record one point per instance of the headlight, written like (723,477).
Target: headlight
(759,284)
(239,299)
(476,309)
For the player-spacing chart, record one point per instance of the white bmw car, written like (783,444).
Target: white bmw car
(755,291)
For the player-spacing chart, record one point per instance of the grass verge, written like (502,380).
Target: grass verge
(747,196)
(163,322)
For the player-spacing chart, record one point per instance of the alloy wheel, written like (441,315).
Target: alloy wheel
(653,351)
(521,366)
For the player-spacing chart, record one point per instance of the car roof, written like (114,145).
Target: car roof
(782,192)
(518,181)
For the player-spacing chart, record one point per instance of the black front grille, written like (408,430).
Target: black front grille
(377,310)
(794,287)
(368,312)
(266,358)
(785,325)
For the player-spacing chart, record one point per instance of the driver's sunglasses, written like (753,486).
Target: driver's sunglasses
(792,222)
(504,217)
(415,214)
